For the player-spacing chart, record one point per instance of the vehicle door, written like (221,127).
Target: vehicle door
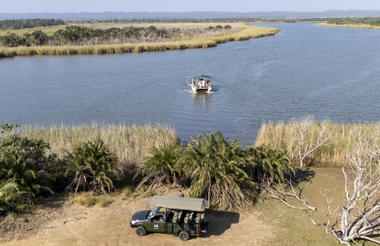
(158,224)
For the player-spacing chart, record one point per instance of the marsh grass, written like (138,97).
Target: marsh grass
(130,144)
(343,139)
(244,32)
(365,26)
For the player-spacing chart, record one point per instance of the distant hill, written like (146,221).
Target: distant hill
(191,15)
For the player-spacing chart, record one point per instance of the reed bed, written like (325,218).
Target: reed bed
(343,138)
(244,33)
(130,144)
(365,26)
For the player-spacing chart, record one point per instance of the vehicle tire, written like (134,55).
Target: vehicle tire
(140,231)
(184,235)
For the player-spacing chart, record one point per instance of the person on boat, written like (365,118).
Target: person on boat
(202,82)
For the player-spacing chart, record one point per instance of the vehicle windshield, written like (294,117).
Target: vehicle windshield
(154,212)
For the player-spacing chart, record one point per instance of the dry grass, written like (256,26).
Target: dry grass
(343,138)
(130,144)
(244,33)
(88,199)
(350,25)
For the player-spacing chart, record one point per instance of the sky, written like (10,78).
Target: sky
(28,6)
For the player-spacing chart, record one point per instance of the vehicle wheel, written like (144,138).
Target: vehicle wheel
(140,231)
(184,235)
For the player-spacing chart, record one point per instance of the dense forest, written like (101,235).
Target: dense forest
(78,35)
(29,23)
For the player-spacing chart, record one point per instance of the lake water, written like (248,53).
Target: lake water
(331,73)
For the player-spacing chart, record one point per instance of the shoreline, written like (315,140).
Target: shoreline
(245,33)
(361,26)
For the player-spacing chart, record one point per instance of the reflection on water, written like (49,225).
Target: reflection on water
(305,69)
(202,100)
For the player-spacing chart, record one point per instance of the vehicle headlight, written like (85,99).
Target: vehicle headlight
(133,222)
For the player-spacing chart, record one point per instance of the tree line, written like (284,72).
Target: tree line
(373,21)
(29,23)
(77,35)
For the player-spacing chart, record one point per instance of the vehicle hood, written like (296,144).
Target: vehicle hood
(141,215)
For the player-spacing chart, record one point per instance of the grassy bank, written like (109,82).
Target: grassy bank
(365,26)
(294,227)
(130,144)
(244,33)
(343,139)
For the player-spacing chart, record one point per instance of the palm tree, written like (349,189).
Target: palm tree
(267,165)
(216,168)
(91,166)
(161,167)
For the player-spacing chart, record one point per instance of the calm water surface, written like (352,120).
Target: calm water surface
(332,73)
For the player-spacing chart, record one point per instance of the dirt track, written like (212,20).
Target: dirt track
(77,225)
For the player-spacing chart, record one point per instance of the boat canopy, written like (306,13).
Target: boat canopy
(182,203)
(201,76)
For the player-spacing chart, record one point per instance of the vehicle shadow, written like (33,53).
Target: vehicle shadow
(220,221)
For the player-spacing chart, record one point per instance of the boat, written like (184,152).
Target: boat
(201,83)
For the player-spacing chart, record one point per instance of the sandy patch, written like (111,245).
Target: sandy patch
(77,225)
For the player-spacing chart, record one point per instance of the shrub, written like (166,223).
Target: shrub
(91,166)
(12,199)
(268,165)
(161,167)
(24,161)
(216,168)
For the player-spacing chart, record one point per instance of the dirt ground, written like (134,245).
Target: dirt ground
(67,223)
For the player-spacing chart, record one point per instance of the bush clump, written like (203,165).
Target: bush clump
(91,166)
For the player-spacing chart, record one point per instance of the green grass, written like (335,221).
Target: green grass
(294,227)
(130,144)
(245,32)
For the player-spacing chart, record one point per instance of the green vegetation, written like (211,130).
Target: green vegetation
(29,23)
(77,35)
(208,166)
(23,173)
(91,166)
(374,21)
(243,32)
(269,164)
(368,23)
(82,162)
(216,169)
(293,226)
(161,168)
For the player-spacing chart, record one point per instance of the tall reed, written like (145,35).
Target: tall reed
(244,33)
(343,139)
(130,144)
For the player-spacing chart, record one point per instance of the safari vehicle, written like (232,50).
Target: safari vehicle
(180,216)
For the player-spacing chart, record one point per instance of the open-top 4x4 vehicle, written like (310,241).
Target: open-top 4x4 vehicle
(180,216)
